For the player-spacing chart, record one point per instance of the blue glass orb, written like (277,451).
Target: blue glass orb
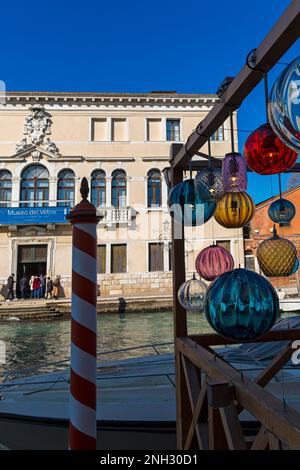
(296,266)
(209,184)
(191,295)
(283,108)
(186,206)
(241,305)
(282,211)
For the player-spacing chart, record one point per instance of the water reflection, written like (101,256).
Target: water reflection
(34,343)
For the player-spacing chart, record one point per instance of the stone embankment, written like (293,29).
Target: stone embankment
(53,309)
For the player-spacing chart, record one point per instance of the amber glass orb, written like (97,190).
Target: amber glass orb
(276,256)
(266,154)
(234,210)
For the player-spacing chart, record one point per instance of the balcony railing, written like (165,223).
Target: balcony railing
(113,216)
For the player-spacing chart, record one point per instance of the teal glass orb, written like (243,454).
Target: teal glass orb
(296,266)
(282,211)
(241,305)
(186,206)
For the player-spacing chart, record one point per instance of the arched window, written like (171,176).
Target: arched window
(154,188)
(66,188)
(118,189)
(35,186)
(5,188)
(98,195)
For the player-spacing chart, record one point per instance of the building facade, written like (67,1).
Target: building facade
(121,143)
(261,228)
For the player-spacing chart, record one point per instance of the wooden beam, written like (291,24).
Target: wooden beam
(213,339)
(261,440)
(267,409)
(284,33)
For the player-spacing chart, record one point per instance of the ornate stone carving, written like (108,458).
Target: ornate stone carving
(37,127)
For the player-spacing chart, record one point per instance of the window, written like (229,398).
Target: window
(34,187)
(224,244)
(249,260)
(170,256)
(247,232)
(154,133)
(98,193)
(5,188)
(219,135)
(99,130)
(118,130)
(118,258)
(66,188)
(101,259)
(173,130)
(118,189)
(156,257)
(154,188)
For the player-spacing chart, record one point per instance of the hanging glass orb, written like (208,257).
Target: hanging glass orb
(209,184)
(186,206)
(283,106)
(213,261)
(191,295)
(296,266)
(234,172)
(234,210)
(241,305)
(276,256)
(281,211)
(266,154)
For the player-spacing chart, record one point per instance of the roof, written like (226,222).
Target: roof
(267,201)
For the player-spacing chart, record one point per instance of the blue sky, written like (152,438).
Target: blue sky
(187,46)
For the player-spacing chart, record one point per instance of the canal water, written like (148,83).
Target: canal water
(29,345)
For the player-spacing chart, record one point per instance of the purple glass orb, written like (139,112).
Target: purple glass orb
(209,184)
(234,173)
(213,261)
(191,295)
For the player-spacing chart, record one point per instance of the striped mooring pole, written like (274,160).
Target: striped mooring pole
(83,392)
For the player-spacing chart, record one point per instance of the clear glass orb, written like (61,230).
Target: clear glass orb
(283,106)
(191,295)
(209,184)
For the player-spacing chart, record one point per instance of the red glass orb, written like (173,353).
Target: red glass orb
(266,154)
(213,261)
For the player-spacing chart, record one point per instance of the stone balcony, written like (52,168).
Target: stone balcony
(112,216)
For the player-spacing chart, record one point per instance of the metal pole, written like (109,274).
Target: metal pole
(83,391)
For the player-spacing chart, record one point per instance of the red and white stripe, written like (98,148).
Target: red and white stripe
(83,418)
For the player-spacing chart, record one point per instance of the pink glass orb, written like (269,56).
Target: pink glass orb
(234,173)
(213,261)
(266,154)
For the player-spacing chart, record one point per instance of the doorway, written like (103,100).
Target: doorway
(32,260)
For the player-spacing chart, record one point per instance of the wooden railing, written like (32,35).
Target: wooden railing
(211,395)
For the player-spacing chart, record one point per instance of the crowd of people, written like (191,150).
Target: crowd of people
(34,287)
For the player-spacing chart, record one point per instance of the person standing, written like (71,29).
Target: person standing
(36,287)
(31,286)
(49,288)
(23,286)
(10,287)
(56,286)
(42,286)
